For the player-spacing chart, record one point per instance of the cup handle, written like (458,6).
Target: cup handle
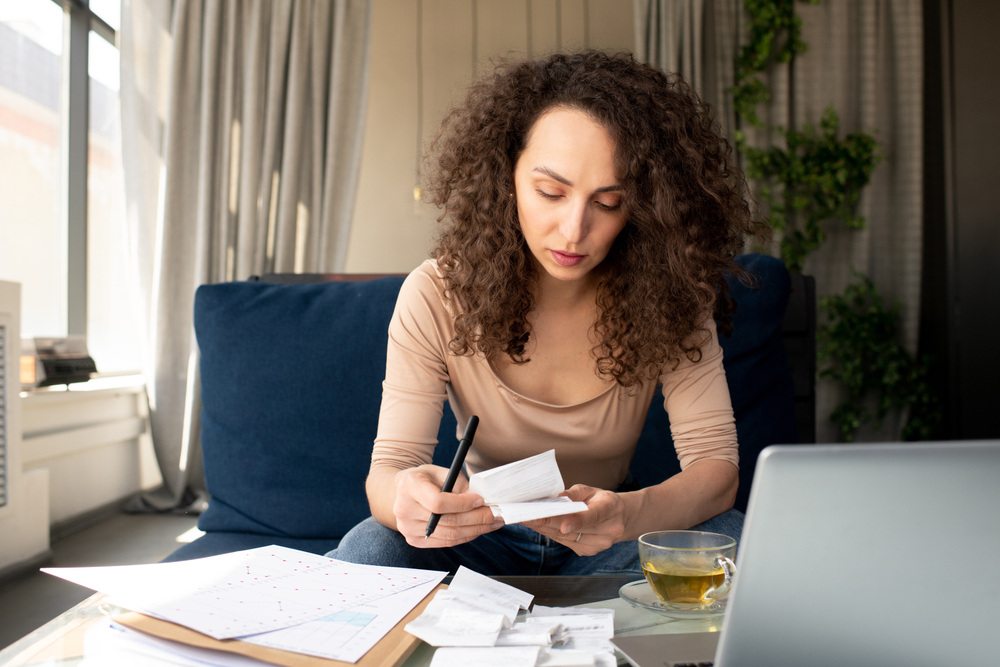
(729,572)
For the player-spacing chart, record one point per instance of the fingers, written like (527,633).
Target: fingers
(590,532)
(453,529)
(419,495)
(425,490)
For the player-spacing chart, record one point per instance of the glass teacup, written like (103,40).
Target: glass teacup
(687,568)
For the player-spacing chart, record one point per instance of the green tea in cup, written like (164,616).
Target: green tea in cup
(686,567)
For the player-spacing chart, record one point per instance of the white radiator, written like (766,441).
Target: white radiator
(24,510)
(5,363)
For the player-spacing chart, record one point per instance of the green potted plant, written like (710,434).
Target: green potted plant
(811,181)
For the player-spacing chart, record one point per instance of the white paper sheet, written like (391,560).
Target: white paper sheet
(536,509)
(246,592)
(589,629)
(109,644)
(506,656)
(347,635)
(470,582)
(525,490)
(562,637)
(451,621)
(528,634)
(466,613)
(566,658)
(528,479)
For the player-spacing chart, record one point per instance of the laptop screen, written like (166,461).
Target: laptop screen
(876,554)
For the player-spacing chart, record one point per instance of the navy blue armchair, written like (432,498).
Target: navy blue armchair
(291,385)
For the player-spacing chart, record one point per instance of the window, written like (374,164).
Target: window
(32,223)
(62,237)
(112,328)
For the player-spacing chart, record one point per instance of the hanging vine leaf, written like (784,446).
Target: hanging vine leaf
(775,36)
(814,179)
(860,349)
(819,177)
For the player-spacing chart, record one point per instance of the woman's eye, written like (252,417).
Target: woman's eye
(546,195)
(608,207)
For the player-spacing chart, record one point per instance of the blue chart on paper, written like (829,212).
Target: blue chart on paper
(345,635)
(330,632)
(342,626)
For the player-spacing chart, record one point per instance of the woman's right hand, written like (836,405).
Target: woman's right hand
(418,495)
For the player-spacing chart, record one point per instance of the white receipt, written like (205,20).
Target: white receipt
(581,629)
(525,490)
(465,616)
(568,658)
(468,582)
(529,634)
(471,612)
(506,656)
(449,621)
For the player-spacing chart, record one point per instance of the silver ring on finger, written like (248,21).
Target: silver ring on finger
(578,536)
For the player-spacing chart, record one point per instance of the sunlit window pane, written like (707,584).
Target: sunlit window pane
(38,20)
(104,62)
(32,226)
(112,332)
(109,10)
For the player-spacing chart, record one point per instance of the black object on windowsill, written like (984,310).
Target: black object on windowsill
(56,361)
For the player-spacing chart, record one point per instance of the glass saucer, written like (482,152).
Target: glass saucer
(639,594)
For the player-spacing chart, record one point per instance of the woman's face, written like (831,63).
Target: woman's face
(569,200)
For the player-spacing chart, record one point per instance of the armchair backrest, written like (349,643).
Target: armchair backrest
(291,375)
(774,339)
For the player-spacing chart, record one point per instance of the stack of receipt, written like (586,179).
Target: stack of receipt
(479,621)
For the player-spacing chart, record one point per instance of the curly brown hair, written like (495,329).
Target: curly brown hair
(686,204)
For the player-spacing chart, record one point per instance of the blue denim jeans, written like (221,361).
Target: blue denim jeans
(512,550)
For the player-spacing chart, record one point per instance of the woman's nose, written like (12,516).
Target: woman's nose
(573,226)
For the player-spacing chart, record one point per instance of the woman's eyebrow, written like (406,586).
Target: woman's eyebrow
(565,181)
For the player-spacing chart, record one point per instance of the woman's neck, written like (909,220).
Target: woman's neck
(552,294)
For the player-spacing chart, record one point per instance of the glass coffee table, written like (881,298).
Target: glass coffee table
(60,642)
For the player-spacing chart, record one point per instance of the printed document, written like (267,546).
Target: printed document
(347,635)
(250,592)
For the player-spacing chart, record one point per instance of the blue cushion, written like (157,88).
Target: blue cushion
(760,381)
(291,382)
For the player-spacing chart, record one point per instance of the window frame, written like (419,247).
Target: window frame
(78,21)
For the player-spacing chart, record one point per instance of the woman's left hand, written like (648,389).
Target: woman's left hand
(591,532)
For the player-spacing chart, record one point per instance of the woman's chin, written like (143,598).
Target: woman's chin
(568,274)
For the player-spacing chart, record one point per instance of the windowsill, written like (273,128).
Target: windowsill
(129,382)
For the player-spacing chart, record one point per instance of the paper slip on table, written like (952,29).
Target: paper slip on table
(60,642)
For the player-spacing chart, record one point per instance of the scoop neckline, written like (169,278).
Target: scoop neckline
(506,387)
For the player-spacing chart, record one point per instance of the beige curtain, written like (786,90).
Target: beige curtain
(865,59)
(242,123)
(697,39)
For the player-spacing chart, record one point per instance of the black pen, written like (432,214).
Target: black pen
(456,468)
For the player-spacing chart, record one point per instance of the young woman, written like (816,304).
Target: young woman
(591,209)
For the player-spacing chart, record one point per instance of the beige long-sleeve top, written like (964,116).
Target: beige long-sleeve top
(594,440)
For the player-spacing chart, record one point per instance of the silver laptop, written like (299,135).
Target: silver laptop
(880,554)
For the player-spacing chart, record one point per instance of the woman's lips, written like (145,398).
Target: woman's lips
(567,258)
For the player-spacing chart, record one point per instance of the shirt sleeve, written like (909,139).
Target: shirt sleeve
(416,374)
(696,396)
